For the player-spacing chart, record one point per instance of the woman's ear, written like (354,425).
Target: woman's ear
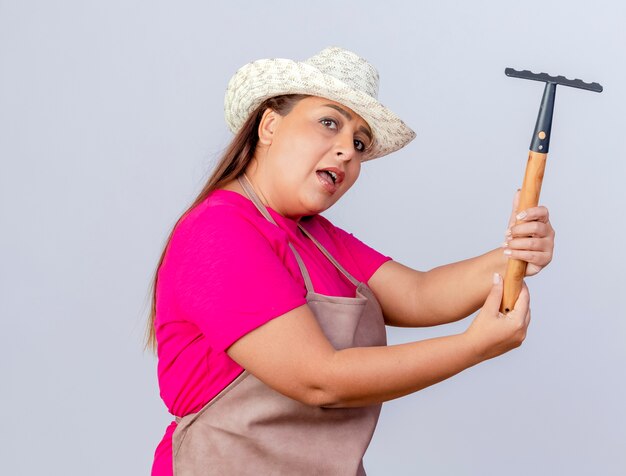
(267,126)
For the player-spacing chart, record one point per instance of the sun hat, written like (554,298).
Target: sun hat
(333,73)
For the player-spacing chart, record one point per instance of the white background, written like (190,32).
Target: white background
(111,117)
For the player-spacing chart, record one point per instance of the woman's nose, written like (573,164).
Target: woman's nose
(345,146)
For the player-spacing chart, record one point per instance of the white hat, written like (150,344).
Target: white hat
(333,73)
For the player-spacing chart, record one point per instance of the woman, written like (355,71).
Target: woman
(270,321)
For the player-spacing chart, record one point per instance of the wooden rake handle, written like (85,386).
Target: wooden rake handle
(529,197)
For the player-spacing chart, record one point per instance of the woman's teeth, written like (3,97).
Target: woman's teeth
(332,175)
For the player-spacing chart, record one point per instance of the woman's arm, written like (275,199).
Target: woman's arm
(292,355)
(412,298)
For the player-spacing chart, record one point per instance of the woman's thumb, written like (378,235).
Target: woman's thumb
(494,298)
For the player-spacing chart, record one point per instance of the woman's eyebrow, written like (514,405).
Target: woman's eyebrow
(343,112)
(348,116)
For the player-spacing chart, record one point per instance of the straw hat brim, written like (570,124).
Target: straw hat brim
(266,78)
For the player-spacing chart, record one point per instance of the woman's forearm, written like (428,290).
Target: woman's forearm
(412,298)
(454,291)
(368,375)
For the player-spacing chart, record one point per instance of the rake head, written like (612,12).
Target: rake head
(546,78)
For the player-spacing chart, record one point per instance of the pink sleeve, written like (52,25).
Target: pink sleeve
(228,278)
(366,259)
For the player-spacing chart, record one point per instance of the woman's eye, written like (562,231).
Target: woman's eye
(362,146)
(330,123)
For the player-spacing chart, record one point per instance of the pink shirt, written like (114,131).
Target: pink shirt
(227,271)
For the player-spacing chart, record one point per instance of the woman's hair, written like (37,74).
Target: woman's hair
(232,164)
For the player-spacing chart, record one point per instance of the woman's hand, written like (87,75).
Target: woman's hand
(529,237)
(493,333)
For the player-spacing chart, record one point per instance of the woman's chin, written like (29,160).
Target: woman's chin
(320,205)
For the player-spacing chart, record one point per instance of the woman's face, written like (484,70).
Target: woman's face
(309,158)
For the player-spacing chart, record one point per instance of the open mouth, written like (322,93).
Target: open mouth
(330,178)
(332,175)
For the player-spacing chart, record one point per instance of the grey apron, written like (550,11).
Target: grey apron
(251,429)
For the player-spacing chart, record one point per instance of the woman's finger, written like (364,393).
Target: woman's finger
(538,258)
(540,213)
(533,228)
(529,244)
(494,298)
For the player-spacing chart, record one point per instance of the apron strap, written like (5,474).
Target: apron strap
(343,271)
(247,186)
